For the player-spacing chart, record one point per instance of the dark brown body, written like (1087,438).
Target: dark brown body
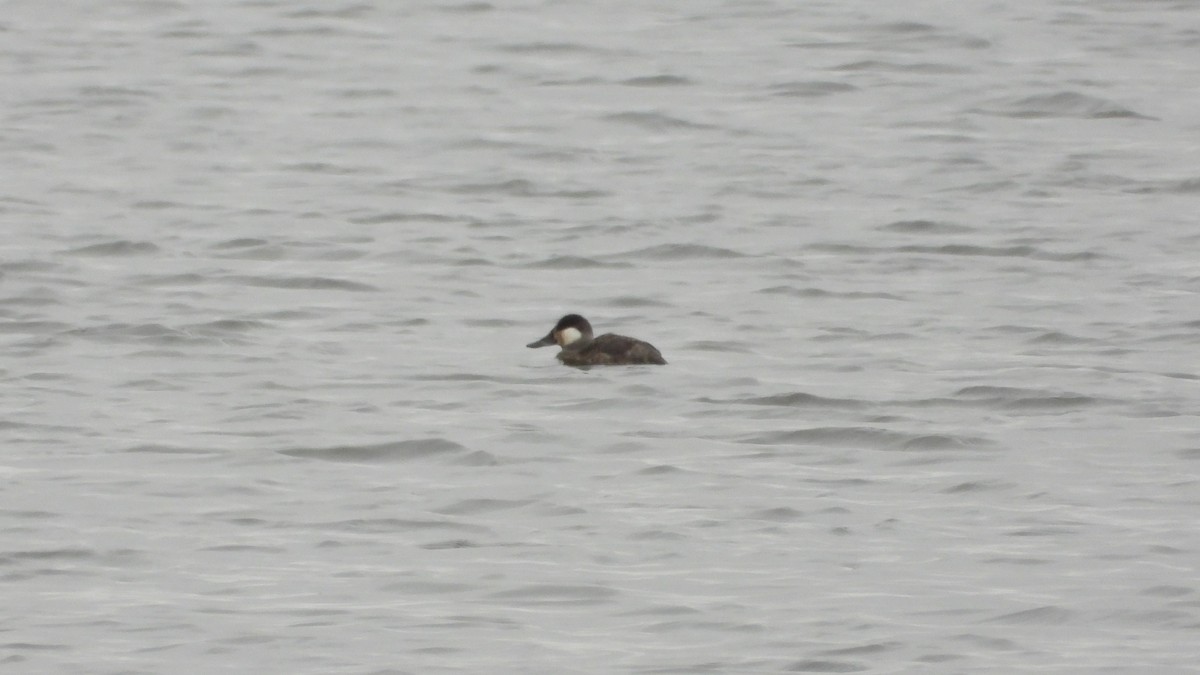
(610,350)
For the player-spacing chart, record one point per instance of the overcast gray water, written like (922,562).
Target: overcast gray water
(927,277)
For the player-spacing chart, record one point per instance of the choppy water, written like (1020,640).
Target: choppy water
(926,276)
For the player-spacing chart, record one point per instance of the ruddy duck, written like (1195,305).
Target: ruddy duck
(574,334)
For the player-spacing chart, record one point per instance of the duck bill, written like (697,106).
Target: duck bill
(544,342)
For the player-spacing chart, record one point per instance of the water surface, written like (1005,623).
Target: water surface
(925,277)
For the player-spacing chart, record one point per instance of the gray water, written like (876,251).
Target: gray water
(926,277)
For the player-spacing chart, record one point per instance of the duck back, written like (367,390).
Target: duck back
(611,349)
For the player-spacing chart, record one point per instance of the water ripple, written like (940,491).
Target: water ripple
(302,283)
(396,451)
(1059,104)
(680,252)
(557,595)
(122,247)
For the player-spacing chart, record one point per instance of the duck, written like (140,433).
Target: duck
(573,334)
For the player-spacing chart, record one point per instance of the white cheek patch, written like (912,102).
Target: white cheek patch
(567,336)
